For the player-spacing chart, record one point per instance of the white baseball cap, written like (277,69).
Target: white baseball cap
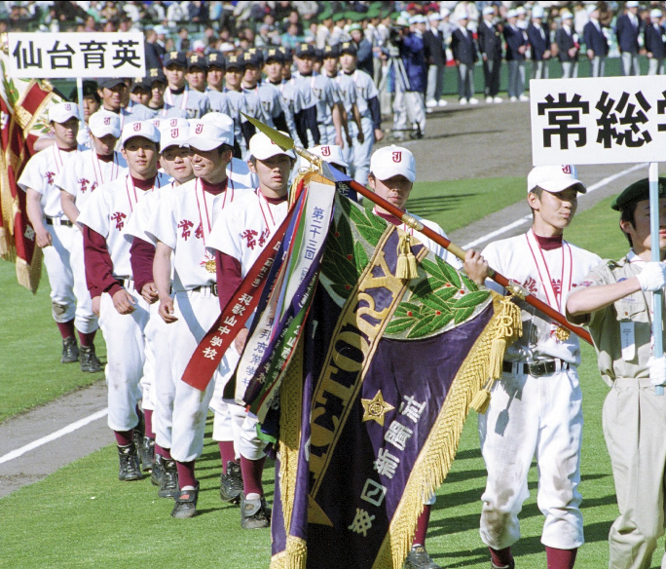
(174,132)
(434,16)
(632,4)
(567,16)
(206,136)
(263,148)
(103,123)
(511,14)
(62,112)
(554,179)
(591,8)
(145,129)
(656,13)
(538,12)
(445,12)
(220,120)
(330,153)
(488,10)
(392,161)
(520,11)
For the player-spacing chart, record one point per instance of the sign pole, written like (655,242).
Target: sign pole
(79,91)
(658,295)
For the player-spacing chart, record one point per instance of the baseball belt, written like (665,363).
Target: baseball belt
(537,369)
(210,289)
(58,221)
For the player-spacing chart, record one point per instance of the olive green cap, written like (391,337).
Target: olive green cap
(638,191)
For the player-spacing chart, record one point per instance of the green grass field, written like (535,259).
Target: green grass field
(82,517)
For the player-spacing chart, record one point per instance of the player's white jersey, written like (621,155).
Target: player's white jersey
(365,90)
(429,243)
(85,172)
(183,221)
(108,212)
(244,228)
(317,90)
(193,103)
(264,103)
(40,174)
(522,260)
(239,172)
(346,92)
(140,223)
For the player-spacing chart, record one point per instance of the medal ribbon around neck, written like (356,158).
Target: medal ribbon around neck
(266,208)
(97,169)
(552,298)
(128,181)
(204,211)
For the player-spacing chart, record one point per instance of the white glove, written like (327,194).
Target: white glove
(657,367)
(653,276)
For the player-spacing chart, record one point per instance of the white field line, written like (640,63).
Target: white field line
(83,422)
(528,218)
(53,436)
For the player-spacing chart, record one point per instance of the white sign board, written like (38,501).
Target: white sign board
(72,55)
(606,120)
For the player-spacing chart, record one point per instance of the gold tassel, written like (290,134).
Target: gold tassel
(406,268)
(509,328)
(4,243)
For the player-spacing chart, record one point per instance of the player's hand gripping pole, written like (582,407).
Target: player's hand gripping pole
(328,171)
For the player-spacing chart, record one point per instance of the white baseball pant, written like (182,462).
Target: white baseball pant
(125,348)
(529,415)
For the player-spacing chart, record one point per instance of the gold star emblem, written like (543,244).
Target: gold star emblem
(376,408)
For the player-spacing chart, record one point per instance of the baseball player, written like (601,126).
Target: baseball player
(140,93)
(392,175)
(178,93)
(175,162)
(214,73)
(54,233)
(262,100)
(535,407)
(233,78)
(196,72)
(317,94)
(615,301)
(122,314)
(237,170)
(240,233)
(85,172)
(182,226)
(367,102)
(114,93)
(275,62)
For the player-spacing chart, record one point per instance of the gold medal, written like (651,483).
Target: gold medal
(562,334)
(211,267)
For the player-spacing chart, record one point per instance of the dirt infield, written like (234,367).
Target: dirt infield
(460,143)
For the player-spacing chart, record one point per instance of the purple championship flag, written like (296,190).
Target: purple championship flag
(374,395)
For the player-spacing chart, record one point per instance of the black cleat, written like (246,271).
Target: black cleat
(70,351)
(186,504)
(157,473)
(130,469)
(255,513)
(418,558)
(169,484)
(147,452)
(89,361)
(231,483)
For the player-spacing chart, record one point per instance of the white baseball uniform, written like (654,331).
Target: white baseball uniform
(183,221)
(365,92)
(107,213)
(536,410)
(241,231)
(84,173)
(39,175)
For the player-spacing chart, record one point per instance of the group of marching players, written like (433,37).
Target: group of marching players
(150,217)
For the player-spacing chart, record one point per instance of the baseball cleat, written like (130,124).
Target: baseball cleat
(418,558)
(231,483)
(89,361)
(169,483)
(147,452)
(157,472)
(130,469)
(255,513)
(70,351)
(186,504)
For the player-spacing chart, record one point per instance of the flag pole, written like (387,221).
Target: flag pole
(330,172)
(657,295)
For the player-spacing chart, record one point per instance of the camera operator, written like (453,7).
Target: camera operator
(410,73)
